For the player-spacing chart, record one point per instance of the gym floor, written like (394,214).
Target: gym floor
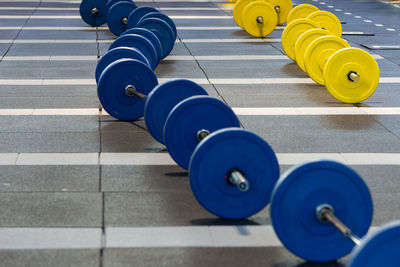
(79,188)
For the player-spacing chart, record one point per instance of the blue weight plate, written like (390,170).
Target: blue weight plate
(138,13)
(295,199)
(381,248)
(163,31)
(96,19)
(217,155)
(110,3)
(112,84)
(116,54)
(116,14)
(164,17)
(162,99)
(149,35)
(139,42)
(190,116)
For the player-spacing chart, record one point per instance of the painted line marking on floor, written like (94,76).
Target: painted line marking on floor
(169,58)
(77,9)
(84,41)
(231,81)
(248,111)
(50,238)
(79,17)
(134,159)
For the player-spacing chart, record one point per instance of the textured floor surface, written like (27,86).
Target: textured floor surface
(78,188)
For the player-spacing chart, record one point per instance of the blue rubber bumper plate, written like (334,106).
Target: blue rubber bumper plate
(163,31)
(163,17)
(85,10)
(190,116)
(116,54)
(139,42)
(115,16)
(110,3)
(150,36)
(220,153)
(112,84)
(162,99)
(137,15)
(301,190)
(381,248)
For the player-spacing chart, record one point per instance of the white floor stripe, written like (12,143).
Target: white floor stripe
(79,17)
(259,111)
(49,58)
(11,159)
(50,28)
(233,81)
(226,40)
(141,237)
(50,238)
(40,8)
(109,41)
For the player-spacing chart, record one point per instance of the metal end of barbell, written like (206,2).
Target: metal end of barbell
(95,10)
(278,9)
(203,133)
(124,20)
(235,177)
(321,210)
(130,90)
(260,19)
(353,76)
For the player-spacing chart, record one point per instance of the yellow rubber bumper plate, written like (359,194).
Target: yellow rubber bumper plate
(259,18)
(304,41)
(282,9)
(337,75)
(300,12)
(318,52)
(238,9)
(328,21)
(293,31)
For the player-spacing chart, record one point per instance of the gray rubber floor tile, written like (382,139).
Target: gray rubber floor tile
(164,209)
(392,123)
(48,69)
(278,95)
(84,142)
(188,12)
(380,179)
(179,49)
(48,102)
(313,134)
(127,137)
(54,49)
(12,22)
(198,257)
(51,209)
(50,91)
(49,178)
(16,12)
(386,207)
(147,178)
(56,22)
(50,258)
(218,49)
(53,124)
(252,69)
(8,35)
(213,34)
(52,35)
(179,69)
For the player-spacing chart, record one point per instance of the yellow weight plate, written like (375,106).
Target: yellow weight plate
(293,31)
(304,41)
(328,21)
(337,75)
(259,18)
(318,52)
(301,12)
(237,12)
(282,9)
